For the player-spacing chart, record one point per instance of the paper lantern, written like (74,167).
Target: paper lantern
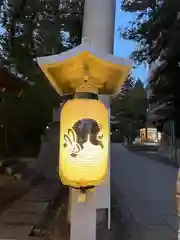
(84,143)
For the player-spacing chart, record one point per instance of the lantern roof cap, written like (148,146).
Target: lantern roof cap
(85,64)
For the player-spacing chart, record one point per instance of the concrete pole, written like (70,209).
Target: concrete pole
(98,23)
(98,30)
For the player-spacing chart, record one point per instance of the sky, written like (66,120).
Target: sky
(123,48)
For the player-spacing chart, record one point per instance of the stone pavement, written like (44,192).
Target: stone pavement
(19,220)
(145,192)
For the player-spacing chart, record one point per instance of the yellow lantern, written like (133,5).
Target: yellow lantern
(84,141)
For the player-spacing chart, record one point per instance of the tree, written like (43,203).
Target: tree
(122,96)
(157,32)
(129,108)
(37,28)
(152,17)
(32,29)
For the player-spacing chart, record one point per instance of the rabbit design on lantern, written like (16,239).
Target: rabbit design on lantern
(71,143)
(84,131)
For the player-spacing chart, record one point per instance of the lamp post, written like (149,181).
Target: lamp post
(89,69)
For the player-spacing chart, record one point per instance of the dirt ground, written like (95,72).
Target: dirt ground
(10,190)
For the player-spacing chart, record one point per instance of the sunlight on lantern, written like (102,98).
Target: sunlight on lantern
(84,139)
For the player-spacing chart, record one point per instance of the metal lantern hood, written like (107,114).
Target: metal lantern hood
(66,71)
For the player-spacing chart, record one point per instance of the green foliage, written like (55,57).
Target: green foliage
(129,108)
(151,17)
(32,29)
(156,31)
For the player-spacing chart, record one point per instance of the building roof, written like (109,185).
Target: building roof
(10,82)
(163,111)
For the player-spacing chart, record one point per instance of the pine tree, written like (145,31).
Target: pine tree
(129,108)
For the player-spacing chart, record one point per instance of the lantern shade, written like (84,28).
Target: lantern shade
(65,71)
(84,142)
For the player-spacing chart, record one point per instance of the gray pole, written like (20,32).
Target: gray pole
(98,30)
(98,23)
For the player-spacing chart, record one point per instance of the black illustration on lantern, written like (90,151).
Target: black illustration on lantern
(83,131)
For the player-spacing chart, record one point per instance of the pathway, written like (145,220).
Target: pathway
(145,190)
